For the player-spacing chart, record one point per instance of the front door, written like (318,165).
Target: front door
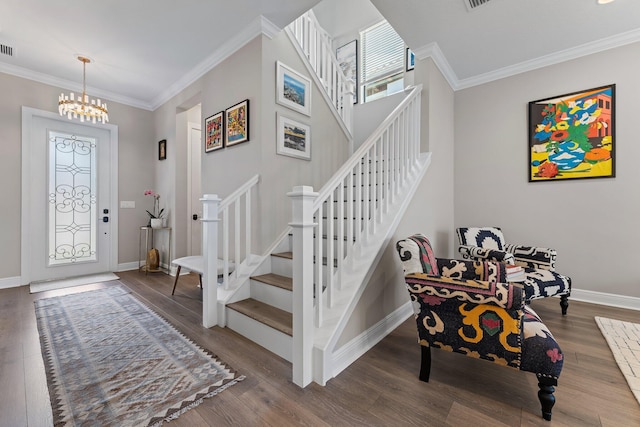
(70,209)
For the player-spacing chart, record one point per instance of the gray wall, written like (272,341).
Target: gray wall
(250,73)
(590,222)
(134,160)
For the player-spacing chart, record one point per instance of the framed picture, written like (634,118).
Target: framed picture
(293,139)
(572,136)
(237,124)
(293,90)
(410,60)
(347,56)
(162,150)
(214,132)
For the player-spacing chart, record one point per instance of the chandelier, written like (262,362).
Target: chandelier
(81,106)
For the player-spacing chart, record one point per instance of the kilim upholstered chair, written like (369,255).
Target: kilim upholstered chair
(541,280)
(465,307)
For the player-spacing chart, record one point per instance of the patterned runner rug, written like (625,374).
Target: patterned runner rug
(111,361)
(624,341)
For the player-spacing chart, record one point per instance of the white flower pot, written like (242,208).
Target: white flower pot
(156,222)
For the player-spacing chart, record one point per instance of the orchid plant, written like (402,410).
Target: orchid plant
(157,212)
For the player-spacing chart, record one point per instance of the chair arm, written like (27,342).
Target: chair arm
(509,296)
(472,270)
(481,254)
(533,257)
(477,318)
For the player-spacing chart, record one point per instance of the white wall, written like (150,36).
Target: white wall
(591,222)
(367,117)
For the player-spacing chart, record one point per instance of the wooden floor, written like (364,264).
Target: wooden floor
(379,389)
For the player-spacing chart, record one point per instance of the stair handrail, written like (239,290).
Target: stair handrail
(390,155)
(316,46)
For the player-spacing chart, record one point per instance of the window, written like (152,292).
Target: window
(382,62)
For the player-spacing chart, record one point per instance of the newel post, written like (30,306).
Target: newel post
(210,220)
(302,198)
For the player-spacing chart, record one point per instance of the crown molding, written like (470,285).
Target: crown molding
(432,50)
(70,85)
(258,26)
(586,49)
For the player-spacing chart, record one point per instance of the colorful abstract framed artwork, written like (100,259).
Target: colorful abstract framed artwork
(293,139)
(347,56)
(572,136)
(293,90)
(214,132)
(237,124)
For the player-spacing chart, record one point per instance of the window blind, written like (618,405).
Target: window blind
(382,52)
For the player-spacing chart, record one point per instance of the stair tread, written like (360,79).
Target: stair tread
(265,313)
(275,280)
(288,255)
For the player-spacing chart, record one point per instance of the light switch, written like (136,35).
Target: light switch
(127,204)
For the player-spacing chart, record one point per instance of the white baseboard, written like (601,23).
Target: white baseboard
(603,298)
(359,345)
(10,282)
(126,266)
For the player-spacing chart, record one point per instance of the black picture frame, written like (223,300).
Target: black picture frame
(214,132)
(236,124)
(572,136)
(162,150)
(347,56)
(410,60)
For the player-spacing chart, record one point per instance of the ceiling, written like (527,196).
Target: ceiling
(145,51)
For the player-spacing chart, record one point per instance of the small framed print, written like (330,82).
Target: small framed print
(410,60)
(293,90)
(237,124)
(214,132)
(162,150)
(293,139)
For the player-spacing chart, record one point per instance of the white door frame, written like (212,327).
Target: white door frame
(28,115)
(190,185)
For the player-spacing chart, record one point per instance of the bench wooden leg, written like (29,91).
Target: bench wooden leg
(175,282)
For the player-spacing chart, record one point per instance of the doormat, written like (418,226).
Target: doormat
(624,341)
(111,361)
(73,281)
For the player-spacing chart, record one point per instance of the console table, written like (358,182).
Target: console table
(149,236)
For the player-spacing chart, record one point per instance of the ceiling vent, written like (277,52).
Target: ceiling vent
(6,50)
(472,4)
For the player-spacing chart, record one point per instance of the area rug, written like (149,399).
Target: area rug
(624,341)
(70,282)
(111,361)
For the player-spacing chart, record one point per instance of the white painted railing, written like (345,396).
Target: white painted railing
(235,213)
(346,213)
(317,47)
(222,217)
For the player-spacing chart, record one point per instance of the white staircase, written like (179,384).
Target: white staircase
(296,300)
